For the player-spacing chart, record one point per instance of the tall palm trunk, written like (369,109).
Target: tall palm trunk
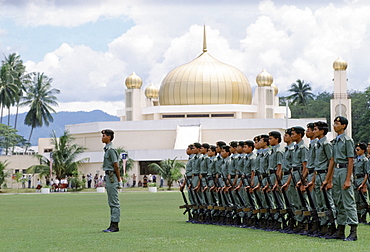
(16,117)
(9,116)
(29,140)
(1,117)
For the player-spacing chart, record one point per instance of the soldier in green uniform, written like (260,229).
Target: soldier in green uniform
(267,202)
(299,162)
(187,182)
(323,156)
(211,176)
(275,163)
(311,158)
(286,177)
(226,160)
(340,179)
(112,179)
(360,175)
(250,158)
(204,161)
(196,170)
(255,174)
(219,182)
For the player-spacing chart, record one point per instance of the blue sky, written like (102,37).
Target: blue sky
(90,47)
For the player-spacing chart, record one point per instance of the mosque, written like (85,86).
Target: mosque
(203,101)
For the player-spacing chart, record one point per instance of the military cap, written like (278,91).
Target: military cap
(220,143)
(320,124)
(197,145)
(241,143)
(233,144)
(213,148)
(341,119)
(298,129)
(205,145)
(288,131)
(275,134)
(257,138)
(108,132)
(249,143)
(310,126)
(362,146)
(226,148)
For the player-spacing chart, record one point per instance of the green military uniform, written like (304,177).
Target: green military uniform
(263,170)
(188,174)
(111,157)
(204,161)
(299,156)
(343,148)
(323,154)
(311,166)
(359,171)
(195,173)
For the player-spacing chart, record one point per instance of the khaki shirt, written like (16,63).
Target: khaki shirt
(343,148)
(323,153)
(299,154)
(287,158)
(110,157)
(276,157)
(311,154)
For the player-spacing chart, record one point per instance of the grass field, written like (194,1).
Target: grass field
(150,222)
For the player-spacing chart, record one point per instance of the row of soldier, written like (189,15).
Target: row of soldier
(293,189)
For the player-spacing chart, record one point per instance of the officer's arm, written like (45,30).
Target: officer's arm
(116,169)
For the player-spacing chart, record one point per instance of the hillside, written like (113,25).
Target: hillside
(60,120)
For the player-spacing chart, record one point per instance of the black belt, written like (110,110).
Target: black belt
(321,171)
(204,174)
(196,174)
(310,171)
(359,176)
(264,175)
(341,165)
(109,172)
(297,168)
(232,176)
(286,172)
(188,177)
(256,173)
(272,171)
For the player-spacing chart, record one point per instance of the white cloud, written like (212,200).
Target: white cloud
(289,41)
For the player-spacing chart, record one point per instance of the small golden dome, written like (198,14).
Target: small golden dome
(340,64)
(264,79)
(133,81)
(276,89)
(151,91)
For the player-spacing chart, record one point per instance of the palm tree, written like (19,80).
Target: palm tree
(40,97)
(8,89)
(18,72)
(300,93)
(3,173)
(169,169)
(65,155)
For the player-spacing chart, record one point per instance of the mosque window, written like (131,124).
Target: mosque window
(222,115)
(197,115)
(173,116)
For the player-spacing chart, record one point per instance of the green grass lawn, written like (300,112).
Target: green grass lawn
(150,222)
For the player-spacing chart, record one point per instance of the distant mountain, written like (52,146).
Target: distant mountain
(60,120)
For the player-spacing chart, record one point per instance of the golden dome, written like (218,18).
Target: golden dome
(205,80)
(276,89)
(133,81)
(264,79)
(340,64)
(151,91)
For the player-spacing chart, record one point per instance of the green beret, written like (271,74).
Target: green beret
(341,119)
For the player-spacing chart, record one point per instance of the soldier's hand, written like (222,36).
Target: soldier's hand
(284,187)
(346,185)
(364,189)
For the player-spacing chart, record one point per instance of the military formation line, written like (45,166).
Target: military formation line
(313,190)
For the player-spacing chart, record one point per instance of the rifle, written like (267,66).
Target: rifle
(187,206)
(195,198)
(288,205)
(208,206)
(304,211)
(314,214)
(268,202)
(330,212)
(279,206)
(363,198)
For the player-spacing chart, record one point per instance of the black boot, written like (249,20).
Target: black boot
(353,234)
(339,234)
(110,226)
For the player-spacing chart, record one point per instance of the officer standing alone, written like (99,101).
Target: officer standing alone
(112,179)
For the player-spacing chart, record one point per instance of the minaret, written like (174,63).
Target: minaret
(133,98)
(264,96)
(340,105)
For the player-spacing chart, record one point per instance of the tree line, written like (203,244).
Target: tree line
(304,104)
(19,88)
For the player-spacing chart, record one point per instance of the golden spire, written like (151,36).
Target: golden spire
(204,40)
